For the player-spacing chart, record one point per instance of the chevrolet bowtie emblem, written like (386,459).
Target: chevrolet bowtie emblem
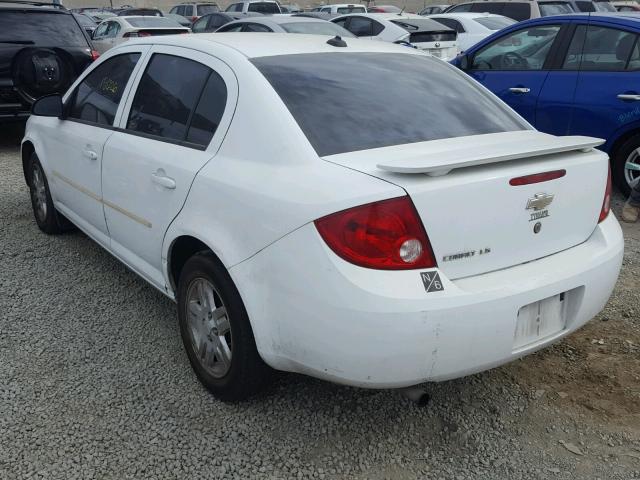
(540,201)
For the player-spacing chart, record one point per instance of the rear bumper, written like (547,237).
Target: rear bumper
(313,313)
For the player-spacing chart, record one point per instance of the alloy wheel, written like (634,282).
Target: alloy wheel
(39,192)
(632,168)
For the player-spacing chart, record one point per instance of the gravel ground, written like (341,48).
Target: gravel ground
(94,383)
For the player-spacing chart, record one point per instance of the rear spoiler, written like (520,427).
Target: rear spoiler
(443,161)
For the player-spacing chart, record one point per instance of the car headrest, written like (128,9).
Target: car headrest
(624,47)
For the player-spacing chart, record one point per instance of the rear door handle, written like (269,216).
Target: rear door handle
(160,177)
(90,154)
(519,90)
(629,97)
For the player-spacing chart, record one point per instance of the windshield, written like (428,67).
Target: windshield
(495,23)
(554,8)
(351,9)
(604,6)
(329,95)
(152,22)
(317,28)
(39,28)
(264,7)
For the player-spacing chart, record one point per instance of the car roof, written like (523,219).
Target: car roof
(465,14)
(257,44)
(622,18)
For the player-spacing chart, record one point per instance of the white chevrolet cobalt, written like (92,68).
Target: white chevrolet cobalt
(304,224)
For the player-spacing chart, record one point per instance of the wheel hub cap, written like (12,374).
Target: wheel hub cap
(209,328)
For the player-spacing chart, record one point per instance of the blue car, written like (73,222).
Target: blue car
(570,75)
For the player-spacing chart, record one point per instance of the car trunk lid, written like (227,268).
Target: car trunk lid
(476,220)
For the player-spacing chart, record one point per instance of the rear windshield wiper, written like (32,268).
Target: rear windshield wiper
(18,42)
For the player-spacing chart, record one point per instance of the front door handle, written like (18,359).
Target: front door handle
(90,154)
(160,177)
(629,97)
(519,90)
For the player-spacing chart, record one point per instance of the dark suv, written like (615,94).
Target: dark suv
(42,50)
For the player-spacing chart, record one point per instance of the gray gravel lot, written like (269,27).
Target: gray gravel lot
(94,383)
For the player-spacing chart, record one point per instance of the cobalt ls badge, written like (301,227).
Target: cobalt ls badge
(539,203)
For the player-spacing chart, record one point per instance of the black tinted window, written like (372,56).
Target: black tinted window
(166,96)
(96,99)
(204,9)
(264,7)
(329,95)
(255,27)
(517,11)
(209,111)
(585,6)
(361,27)
(37,28)
(465,7)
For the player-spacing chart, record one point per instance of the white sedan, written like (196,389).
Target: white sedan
(116,30)
(472,27)
(407,29)
(302,223)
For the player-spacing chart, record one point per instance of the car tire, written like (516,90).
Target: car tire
(49,220)
(623,154)
(216,331)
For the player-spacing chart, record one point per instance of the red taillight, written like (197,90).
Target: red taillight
(537,178)
(606,203)
(385,235)
(94,55)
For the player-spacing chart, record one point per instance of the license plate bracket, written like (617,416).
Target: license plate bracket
(540,320)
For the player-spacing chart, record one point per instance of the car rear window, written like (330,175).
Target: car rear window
(152,22)
(264,7)
(329,95)
(204,9)
(494,23)
(555,8)
(343,10)
(317,28)
(40,28)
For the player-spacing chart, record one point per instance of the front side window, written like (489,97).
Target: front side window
(465,7)
(525,49)
(167,96)
(101,31)
(329,95)
(112,31)
(200,25)
(97,97)
(595,48)
(188,11)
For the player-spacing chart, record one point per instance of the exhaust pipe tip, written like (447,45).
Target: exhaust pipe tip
(417,395)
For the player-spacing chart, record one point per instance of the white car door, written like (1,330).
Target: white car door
(76,146)
(173,123)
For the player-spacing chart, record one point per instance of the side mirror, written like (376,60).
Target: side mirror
(48,106)
(464,62)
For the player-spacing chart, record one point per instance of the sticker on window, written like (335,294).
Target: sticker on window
(431,281)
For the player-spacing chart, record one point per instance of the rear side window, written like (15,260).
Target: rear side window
(167,97)
(603,49)
(264,7)
(554,8)
(97,97)
(488,7)
(209,111)
(585,6)
(43,29)
(329,95)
